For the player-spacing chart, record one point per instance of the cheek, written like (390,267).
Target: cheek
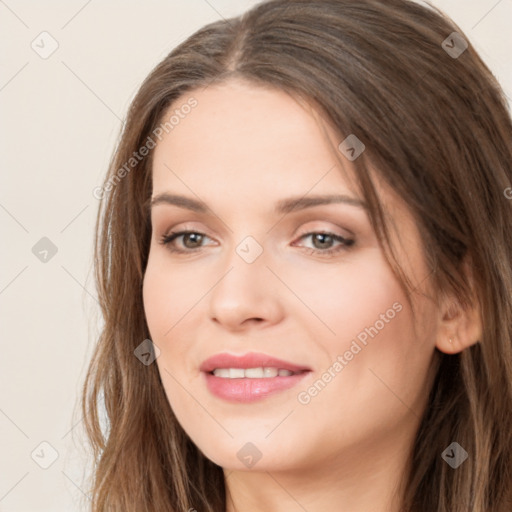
(378,367)
(172,302)
(349,298)
(368,338)
(167,295)
(166,300)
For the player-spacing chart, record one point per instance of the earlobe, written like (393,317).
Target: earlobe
(454,345)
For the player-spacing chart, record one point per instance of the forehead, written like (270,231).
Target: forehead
(241,135)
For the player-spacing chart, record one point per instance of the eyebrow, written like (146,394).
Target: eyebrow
(282,207)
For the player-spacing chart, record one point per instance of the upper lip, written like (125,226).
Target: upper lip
(250,360)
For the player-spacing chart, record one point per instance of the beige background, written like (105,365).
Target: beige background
(60,117)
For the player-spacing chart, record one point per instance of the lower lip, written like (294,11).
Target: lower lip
(249,390)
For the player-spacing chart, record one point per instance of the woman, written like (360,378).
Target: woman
(304,266)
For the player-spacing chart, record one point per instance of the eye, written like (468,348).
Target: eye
(194,237)
(323,240)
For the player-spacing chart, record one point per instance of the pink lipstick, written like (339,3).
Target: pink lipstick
(250,377)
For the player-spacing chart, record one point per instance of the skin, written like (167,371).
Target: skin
(242,149)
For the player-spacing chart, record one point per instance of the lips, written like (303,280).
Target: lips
(244,389)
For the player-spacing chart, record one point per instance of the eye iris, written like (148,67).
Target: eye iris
(195,236)
(322,238)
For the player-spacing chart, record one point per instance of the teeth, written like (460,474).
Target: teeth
(221,372)
(260,373)
(251,373)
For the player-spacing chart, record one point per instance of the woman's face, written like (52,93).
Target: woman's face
(256,277)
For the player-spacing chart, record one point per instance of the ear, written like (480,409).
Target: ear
(459,328)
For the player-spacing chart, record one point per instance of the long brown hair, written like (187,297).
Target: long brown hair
(437,129)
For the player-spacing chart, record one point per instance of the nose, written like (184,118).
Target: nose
(246,295)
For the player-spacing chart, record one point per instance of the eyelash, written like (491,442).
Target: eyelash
(345,243)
